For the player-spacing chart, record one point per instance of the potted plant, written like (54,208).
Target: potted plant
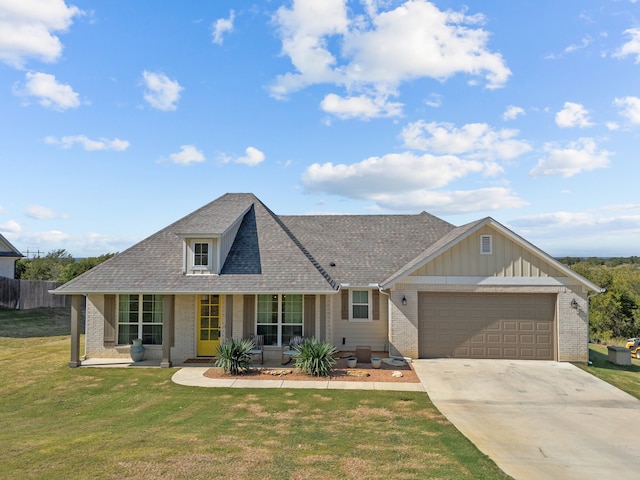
(376,362)
(352,362)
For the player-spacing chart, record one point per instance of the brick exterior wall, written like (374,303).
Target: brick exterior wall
(571,324)
(573,327)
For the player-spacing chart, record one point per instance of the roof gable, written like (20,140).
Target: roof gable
(7,250)
(514,257)
(262,258)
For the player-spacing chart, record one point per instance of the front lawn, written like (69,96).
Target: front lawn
(101,423)
(626,378)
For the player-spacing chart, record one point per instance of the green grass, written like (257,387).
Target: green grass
(100,423)
(626,378)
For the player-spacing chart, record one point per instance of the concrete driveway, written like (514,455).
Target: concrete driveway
(536,419)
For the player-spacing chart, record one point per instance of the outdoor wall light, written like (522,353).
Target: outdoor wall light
(574,304)
(404,300)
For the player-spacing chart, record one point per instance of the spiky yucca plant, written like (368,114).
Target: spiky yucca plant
(315,358)
(233,356)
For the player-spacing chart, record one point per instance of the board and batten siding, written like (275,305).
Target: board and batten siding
(508,259)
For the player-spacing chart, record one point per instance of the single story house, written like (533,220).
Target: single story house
(8,256)
(413,285)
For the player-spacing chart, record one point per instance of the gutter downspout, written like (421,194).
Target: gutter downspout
(388,318)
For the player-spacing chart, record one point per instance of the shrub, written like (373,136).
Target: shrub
(234,356)
(315,358)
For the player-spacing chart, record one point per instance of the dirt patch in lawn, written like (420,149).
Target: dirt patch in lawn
(364,372)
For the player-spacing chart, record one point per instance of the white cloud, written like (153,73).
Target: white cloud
(28,28)
(392,173)
(49,92)
(573,115)
(406,182)
(87,143)
(79,245)
(474,140)
(630,108)
(434,100)
(222,26)
(161,92)
(253,157)
(42,213)
(188,154)
(361,106)
(580,156)
(632,47)
(602,231)
(451,202)
(512,112)
(584,43)
(380,49)
(11,226)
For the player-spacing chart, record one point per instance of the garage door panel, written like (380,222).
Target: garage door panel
(507,326)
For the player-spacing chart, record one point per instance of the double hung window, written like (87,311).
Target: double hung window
(279,317)
(201,255)
(360,305)
(140,316)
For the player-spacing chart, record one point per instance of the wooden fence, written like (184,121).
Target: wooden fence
(28,294)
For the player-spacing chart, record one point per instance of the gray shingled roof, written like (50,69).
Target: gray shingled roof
(366,249)
(270,253)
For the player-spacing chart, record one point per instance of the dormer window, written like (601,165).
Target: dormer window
(201,256)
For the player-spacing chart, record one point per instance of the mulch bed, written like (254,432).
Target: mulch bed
(363,372)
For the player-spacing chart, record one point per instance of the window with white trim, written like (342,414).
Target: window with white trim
(201,254)
(279,318)
(360,307)
(140,316)
(486,244)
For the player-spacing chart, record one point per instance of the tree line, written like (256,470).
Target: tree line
(614,313)
(56,266)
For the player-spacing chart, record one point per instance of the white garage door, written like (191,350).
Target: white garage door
(509,326)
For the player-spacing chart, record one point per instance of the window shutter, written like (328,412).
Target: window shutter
(310,315)
(228,317)
(345,304)
(375,304)
(109,339)
(248,315)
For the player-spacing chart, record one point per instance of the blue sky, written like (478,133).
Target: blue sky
(118,118)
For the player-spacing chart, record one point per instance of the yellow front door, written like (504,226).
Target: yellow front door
(208,325)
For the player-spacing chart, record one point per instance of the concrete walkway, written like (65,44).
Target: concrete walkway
(538,420)
(194,376)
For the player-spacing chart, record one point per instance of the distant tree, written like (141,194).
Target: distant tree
(72,270)
(49,267)
(57,266)
(614,313)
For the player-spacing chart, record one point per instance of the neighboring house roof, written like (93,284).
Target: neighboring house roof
(7,250)
(288,254)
